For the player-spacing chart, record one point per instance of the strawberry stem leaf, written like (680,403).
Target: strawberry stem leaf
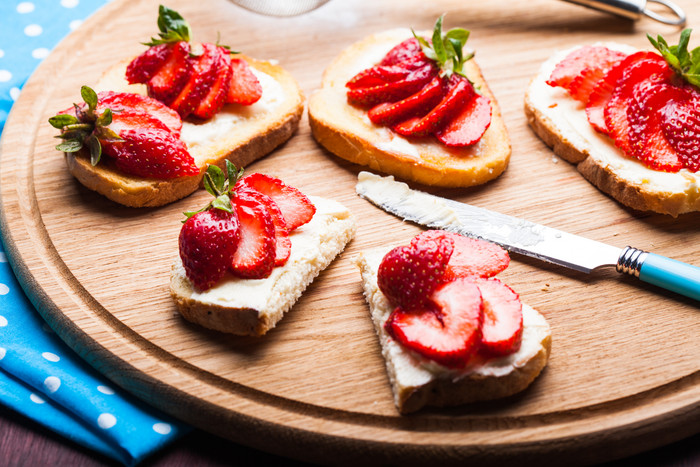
(89,96)
(62,120)
(70,146)
(446,49)
(95,149)
(684,63)
(172,26)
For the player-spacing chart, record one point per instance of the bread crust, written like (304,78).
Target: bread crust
(241,148)
(607,177)
(346,131)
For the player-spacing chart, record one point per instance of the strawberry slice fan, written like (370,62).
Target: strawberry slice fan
(648,103)
(40,377)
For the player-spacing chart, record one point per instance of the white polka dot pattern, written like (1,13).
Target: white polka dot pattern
(25,7)
(36,399)
(106,421)
(3,321)
(162,428)
(40,53)
(52,384)
(52,357)
(4,289)
(33,30)
(5,76)
(14,94)
(106,390)
(69,3)
(3,352)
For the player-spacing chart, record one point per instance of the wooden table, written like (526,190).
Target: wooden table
(639,396)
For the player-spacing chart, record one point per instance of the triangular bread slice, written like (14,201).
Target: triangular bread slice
(347,132)
(241,134)
(254,306)
(417,382)
(561,122)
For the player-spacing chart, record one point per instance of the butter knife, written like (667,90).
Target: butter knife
(527,238)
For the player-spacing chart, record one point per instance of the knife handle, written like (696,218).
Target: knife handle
(664,272)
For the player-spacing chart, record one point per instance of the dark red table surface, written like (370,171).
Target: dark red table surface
(22,442)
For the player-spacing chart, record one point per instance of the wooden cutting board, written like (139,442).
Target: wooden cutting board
(623,375)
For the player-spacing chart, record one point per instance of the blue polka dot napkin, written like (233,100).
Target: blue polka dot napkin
(40,376)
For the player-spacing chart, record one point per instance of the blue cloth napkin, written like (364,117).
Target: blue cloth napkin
(40,376)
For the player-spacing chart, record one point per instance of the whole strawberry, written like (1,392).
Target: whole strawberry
(132,135)
(207,241)
(408,275)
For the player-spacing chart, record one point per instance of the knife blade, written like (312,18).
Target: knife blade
(525,237)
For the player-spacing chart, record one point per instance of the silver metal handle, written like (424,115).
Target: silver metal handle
(635,9)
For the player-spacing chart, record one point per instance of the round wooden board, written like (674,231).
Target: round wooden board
(623,375)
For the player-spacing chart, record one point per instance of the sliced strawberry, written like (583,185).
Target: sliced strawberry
(584,57)
(469,125)
(502,329)
(204,71)
(402,52)
(470,257)
(120,101)
(255,256)
(215,98)
(460,91)
(283,242)
(170,78)
(616,122)
(296,208)
(418,104)
(207,243)
(449,333)
(151,153)
(394,91)
(142,68)
(603,90)
(408,275)
(245,88)
(646,139)
(378,75)
(680,123)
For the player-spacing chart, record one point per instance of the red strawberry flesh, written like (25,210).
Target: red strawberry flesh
(393,91)
(418,104)
(646,139)
(255,256)
(573,64)
(603,91)
(245,88)
(447,333)
(408,275)
(502,328)
(204,68)
(402,52)
(120,102)
(470,257)
(283,246)
(214,99)
(144,67)
(207,242)
(296,207)
(469,125)
(169,80)
(680,123)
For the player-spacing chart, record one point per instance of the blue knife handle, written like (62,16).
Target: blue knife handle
(672,275)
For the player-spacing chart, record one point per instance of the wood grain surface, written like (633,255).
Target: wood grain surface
(623,374)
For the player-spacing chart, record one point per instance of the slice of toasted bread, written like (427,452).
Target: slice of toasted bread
(347,132)
(254,306)
(416,382)
(241,134)
(561,122)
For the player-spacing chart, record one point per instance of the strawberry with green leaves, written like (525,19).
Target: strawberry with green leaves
(139,135)
(645,101)
(253,217)
(447,306)
(420,89)
(193,79)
